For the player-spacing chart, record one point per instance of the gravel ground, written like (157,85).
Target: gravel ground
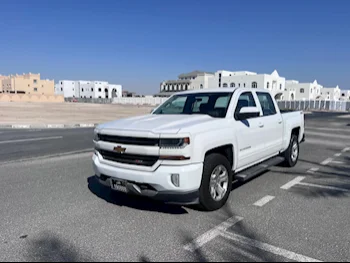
(65,113)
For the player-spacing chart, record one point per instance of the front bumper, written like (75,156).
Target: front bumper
(156,184)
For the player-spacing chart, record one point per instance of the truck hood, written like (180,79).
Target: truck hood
(156,123)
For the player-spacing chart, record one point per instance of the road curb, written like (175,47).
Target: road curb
(47,126)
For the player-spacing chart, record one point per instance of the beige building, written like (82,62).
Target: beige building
(27,84)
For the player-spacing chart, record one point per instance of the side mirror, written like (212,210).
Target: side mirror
(247,113)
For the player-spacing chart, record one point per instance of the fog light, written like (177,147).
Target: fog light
(175,179)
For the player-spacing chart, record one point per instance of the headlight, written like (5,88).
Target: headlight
(174,143)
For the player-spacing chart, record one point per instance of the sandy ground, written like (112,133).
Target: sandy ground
(65,113)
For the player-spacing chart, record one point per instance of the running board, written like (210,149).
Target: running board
(254,171)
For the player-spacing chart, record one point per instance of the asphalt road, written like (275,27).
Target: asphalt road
(53,210)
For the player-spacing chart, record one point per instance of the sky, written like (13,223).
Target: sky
(139,43)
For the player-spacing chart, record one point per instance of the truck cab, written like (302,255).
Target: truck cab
(190,149)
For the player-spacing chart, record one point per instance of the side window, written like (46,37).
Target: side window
(246,99)
(267,104)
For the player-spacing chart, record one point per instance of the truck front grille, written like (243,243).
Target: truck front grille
(129,140)
(144,160)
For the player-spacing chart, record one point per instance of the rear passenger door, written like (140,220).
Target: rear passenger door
(250,140)
(272,124)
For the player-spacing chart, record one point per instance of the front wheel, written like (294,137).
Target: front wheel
(216,182)
(291,155)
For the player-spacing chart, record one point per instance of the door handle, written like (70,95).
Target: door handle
(280,122)
(261,125)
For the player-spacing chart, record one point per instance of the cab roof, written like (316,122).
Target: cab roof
(219,90)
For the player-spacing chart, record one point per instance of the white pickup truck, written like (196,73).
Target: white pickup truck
(190,149)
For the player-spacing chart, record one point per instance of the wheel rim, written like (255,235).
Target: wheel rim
(218,183)
(295,151)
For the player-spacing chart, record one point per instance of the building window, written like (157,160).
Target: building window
(201,86)
(92,89)
(82,90)
(239,85)
(35,81)
(244,85)
(35,89)
(232,85)
(100,97)
(281,88)
(90,97)
(302,91)
(61,83)
(99,90)
(254,85)
(61,89)
(28,85)
(268,85)
(224,85)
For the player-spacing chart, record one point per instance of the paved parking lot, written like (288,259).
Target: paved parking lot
(52,208)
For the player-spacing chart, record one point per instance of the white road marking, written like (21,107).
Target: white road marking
(81,153)
(263,201)
(268,248)
(325,187)
(32,139)
(337,162)
(20,126)
(57,126)
(313,170)
(292,183)
(327,161)
(211,234)
(337,154)
(346,150)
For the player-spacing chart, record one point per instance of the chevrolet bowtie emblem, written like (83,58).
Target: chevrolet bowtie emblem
(119,149)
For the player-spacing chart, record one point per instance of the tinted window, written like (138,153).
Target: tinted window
(246,99)
(267,104)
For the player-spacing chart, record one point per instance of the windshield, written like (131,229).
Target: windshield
(212,104)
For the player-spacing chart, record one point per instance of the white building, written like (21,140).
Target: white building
(331,93)
(187,81)
(224,79)
(247,79)
(88,89)
(302,91)
(345,95)
(68,88)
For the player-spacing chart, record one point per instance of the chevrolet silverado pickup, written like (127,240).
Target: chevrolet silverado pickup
(191,149)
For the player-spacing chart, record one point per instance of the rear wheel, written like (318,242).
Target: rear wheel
(291,155)
(216,182)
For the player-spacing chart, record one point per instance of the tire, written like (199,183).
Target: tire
(291,155)
(215,162)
